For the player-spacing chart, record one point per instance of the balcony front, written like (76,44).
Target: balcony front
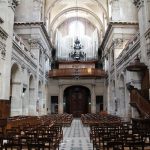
(77,73)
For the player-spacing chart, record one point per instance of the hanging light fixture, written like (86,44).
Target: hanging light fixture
(77,54)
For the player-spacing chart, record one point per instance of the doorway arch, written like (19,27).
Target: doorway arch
(77,100)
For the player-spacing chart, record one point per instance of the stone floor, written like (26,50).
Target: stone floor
(76,137)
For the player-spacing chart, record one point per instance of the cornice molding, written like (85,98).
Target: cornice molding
(36,24)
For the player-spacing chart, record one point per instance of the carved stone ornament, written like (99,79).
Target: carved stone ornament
(138,3)
(2,49)
(13,3)
(35,44)
(3,34)
(118,42)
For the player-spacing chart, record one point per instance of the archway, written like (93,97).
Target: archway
(15,91)
(77,100)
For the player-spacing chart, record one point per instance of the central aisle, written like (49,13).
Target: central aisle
(76,137)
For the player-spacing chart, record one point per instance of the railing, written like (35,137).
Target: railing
(129,49)
(141,103)
(77,72)
(21,44)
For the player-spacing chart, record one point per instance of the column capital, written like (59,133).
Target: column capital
(138,3)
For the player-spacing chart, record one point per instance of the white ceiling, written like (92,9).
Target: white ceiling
(59,11)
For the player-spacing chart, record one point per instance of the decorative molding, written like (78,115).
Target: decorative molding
(138,3)
(36,44)
(2,49)
(23,66)
(118,43)
(37,24)
(147,34)
(3,34)
(13,3)
(129,50)
(22,54)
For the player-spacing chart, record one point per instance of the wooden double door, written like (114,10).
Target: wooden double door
(77,99)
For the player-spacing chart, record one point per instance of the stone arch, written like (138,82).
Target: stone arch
(79,9)
(87,86)
(77,100)
(15,90)
(54,3)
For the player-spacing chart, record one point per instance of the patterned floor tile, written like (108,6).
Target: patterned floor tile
(76,137)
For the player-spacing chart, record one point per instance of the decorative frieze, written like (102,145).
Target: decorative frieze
(138,3)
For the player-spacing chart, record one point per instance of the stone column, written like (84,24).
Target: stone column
(35,47)
(142,27)
(147,36)
(6,34)
(93,99)
(60,101)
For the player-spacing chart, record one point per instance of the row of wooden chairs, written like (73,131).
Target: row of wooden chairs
(44,132)
(95,119)
(63,119)
(118,136)
(28,137)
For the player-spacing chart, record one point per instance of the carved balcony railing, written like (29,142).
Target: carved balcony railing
(77,73)
(18,41)
(140,103)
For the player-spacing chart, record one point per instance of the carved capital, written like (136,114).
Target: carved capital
(138,3)
(118,42)
(36,44)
